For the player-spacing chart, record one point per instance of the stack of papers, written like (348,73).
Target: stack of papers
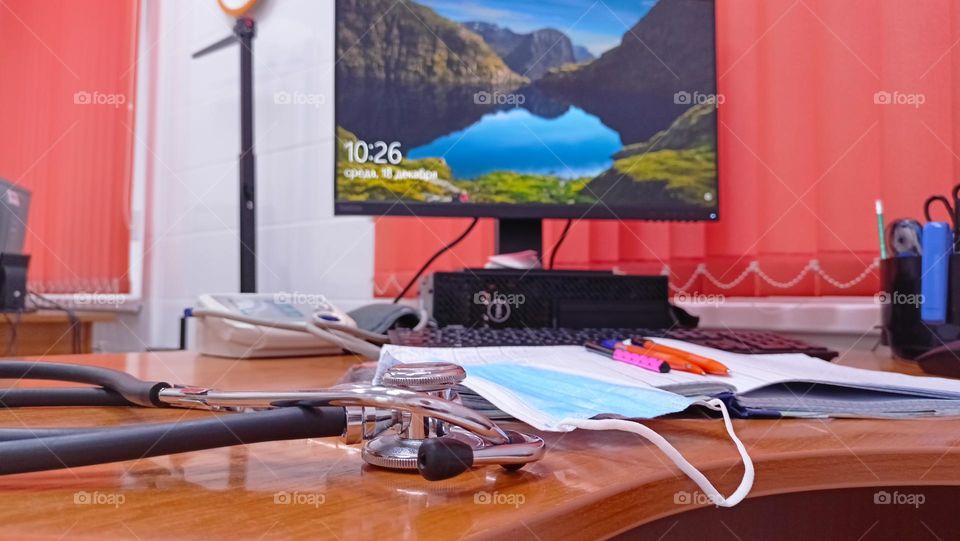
(791,385)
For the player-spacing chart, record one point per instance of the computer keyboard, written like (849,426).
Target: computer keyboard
(749,342)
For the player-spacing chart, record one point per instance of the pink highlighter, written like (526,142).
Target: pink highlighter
(643,361)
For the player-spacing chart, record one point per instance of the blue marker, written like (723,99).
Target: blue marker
(935,262)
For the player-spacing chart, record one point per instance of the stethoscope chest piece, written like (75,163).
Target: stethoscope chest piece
(397,447)
(438,435)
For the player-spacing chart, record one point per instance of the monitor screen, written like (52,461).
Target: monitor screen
(526,108)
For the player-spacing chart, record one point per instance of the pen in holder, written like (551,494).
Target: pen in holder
(901,299)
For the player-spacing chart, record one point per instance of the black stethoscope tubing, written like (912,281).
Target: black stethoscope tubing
(37,449)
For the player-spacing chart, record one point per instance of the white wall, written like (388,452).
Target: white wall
(192,243)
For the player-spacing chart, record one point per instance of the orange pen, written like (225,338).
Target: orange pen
(710,365)
(676,363)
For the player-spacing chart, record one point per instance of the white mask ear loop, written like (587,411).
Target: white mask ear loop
(693,473)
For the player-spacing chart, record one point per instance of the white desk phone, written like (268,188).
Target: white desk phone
(235,338)
(264,325)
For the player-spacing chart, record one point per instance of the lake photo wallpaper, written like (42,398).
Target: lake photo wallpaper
(527,102)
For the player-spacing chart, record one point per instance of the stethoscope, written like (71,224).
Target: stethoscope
(412,420)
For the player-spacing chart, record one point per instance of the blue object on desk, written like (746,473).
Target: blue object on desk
(937,248)
(951,205)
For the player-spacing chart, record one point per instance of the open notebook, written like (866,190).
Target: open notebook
(790,385)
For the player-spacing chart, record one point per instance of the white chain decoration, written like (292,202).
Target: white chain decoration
(392,286)
(754,268)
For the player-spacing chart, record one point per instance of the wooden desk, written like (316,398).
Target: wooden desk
(48,332)
(590,484)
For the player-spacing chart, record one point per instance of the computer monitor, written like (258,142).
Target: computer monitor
(526,109)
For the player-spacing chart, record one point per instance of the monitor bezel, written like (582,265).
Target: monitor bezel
(593,211)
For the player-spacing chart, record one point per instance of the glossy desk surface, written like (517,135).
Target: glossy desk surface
(589,485)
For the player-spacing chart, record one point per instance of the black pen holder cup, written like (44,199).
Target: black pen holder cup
(907,335)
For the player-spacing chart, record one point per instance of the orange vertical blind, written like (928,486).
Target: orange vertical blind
(67,104)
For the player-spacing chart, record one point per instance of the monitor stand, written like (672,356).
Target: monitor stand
(519,234)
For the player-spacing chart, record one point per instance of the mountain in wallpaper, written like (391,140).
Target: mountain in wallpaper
(532,54)
(410,43)
(667,51)
(661,54)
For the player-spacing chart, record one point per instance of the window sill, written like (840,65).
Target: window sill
(98,302)
(820,315)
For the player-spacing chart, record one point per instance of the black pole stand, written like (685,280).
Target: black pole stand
(243,32)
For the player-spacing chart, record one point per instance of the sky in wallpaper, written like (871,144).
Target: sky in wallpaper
(597,25)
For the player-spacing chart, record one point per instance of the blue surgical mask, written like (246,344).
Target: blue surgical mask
(564,400)
(547,399)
